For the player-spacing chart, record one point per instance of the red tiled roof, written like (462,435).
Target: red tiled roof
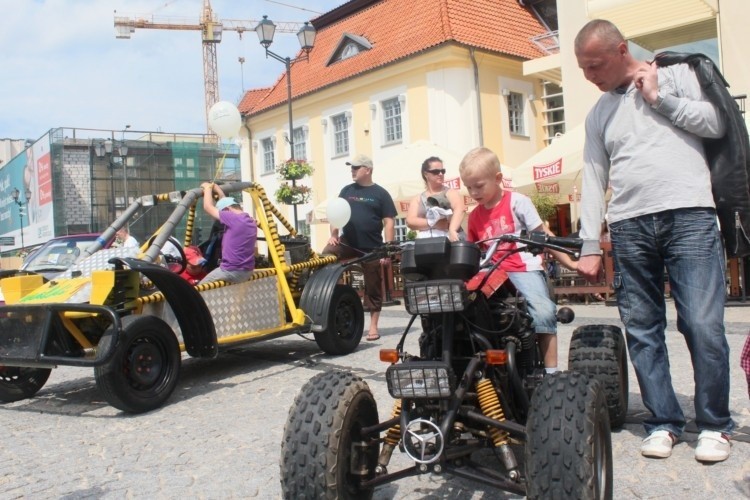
(398,29)
(253,97)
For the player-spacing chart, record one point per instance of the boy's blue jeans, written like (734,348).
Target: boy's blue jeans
(687,242)
(533,286)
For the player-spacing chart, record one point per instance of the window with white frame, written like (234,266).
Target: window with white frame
(401,230)
(515,114)
(392,121)
(269,158)
(340,134)
(554,111)
(300,144)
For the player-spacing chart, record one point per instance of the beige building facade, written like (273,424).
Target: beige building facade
(457,90)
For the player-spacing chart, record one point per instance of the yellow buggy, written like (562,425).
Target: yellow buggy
(127,315)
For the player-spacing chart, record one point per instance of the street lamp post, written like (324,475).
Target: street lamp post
(306,37)
(15,194)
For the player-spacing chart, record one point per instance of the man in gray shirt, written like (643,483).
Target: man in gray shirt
(644,139)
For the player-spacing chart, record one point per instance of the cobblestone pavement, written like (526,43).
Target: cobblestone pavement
(219,435)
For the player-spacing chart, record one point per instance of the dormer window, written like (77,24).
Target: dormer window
(349,46)
(350,49)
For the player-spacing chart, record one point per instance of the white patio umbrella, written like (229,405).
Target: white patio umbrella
(556,169)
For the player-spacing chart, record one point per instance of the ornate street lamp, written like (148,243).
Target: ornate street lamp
(306,36)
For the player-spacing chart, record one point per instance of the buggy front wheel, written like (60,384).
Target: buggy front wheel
(21,383)
(143,371)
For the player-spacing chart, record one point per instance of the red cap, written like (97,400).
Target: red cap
(194,256)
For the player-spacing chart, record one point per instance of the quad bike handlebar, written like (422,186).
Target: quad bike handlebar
(535,242)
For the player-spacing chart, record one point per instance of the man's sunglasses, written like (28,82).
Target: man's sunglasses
(356,167)
(436,171)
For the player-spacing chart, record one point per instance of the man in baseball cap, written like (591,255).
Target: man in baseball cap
(360,161)
(372,214)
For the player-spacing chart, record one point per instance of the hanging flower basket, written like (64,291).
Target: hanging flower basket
(293,195)
(292,170)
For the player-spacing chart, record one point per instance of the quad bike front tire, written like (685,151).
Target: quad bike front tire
(569,445)
(346,322)
(599,351)
(21,383)
(316,451)
(144,369)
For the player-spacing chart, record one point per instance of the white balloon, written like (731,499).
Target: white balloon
(338,212)
(224,119)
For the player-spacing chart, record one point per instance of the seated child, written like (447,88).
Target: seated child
(506,212)
(194,270)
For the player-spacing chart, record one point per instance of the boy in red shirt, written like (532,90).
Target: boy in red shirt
(507,212)
(194,270)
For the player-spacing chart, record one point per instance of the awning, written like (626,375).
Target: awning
(555,169)
(658,24)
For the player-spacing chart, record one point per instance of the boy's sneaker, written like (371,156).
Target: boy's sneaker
(658,444)
(712,447)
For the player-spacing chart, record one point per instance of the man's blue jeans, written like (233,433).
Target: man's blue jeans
(687,242)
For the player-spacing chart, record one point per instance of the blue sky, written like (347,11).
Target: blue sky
(63,67)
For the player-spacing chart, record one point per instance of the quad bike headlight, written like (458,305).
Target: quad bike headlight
(420,379)
(431,297)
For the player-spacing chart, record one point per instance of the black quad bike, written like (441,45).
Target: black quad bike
(476,402)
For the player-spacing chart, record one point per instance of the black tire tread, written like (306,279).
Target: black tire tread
(562,429)
(599,351)
(113,383)
(315,428)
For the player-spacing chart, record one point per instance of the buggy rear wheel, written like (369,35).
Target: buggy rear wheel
(143,371)
(569,445)
(318,459)
(346,322)
(599,352)
(21,383)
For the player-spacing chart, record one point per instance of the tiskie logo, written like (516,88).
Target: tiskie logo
(548,170)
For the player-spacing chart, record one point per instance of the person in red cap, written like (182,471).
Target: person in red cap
(194,270)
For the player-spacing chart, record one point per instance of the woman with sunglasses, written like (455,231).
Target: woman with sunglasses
(438,211)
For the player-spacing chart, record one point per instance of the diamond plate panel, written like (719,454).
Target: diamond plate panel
(99,261)
(244,307)
(252,305)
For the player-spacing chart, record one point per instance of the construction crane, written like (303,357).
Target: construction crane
(211,30)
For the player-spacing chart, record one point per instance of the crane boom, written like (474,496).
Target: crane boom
(211,29)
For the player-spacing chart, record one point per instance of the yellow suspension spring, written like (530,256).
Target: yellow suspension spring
(393,434)
(490,405)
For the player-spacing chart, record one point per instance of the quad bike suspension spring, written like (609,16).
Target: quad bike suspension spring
(490,405)
(391,439)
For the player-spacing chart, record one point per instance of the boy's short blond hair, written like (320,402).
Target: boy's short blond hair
(480,159)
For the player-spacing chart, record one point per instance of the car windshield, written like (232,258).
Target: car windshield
(57,255)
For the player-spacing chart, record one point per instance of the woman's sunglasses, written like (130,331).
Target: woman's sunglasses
(436,171)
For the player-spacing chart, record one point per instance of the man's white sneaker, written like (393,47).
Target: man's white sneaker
(712,447)
(658,444)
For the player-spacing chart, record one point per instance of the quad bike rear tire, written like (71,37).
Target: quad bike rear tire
(21,383)
(569,445)
(316,451)
(346,322)
(144,369)
(599,351)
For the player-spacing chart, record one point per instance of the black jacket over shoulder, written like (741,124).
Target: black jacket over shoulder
(728,157)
